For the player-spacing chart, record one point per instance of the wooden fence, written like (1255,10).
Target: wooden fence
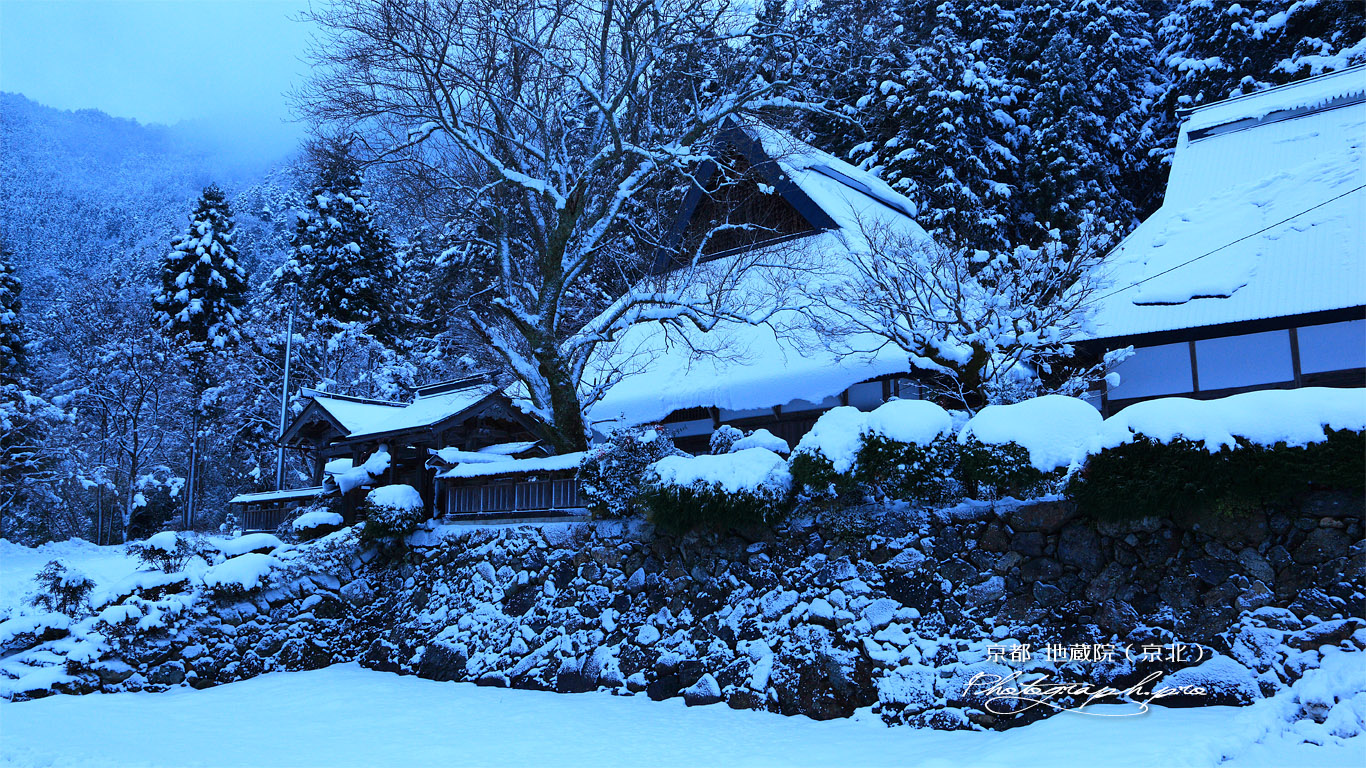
(513,496)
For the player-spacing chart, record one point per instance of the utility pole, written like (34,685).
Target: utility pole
(284,393)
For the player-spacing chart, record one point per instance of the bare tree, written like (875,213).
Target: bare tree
(561,128)
(987,328)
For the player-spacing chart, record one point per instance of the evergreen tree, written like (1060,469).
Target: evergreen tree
(343,262)
(203,284)
(25,420)
(200,312)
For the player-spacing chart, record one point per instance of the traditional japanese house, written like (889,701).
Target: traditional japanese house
(1252,274)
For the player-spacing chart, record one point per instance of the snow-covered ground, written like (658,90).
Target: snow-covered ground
(18,564)
(349,716)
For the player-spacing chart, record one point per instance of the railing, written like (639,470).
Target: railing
(523,496)
(263,518)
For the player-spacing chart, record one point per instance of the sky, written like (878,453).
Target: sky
(225,65)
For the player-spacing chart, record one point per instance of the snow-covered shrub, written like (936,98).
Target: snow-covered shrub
(316,523)
(611,473)
(391,512)
(1225,456)
(762,438)
(902,450)
(167,551)
(724,438)
(239,576)
(61,589)
(1025,449)
(748,487)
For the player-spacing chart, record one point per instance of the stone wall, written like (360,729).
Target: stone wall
(885,610)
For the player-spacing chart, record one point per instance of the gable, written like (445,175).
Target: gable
(753,192)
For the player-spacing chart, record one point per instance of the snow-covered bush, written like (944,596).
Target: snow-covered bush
(724,438)
(902,450)
(1225,456)
(61,589)
(611,473)
(1025,449)
(747,487)
(316,523)
(239,576)
(391,512)
(167,551)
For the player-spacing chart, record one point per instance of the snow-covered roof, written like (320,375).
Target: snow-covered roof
(510,466)
(367,418)
(781,361)
(1263,215)
(285,495)
(486,455)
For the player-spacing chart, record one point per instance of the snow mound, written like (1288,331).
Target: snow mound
(310,520)
(1223,679)
(245,572)
(250,543)
(839,432)
(917,422)
(1296,417)
(762,438)
(403,497)
(165,541)
(1056,430)
(835,435)
(746,470)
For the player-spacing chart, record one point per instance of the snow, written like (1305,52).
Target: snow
(364,474)
(316,519)
(369,418)
(1056,430)
(917,422)
(839,432)
(1296,417)
(250,543)
(762,438)
(505,465)
(285,495)
(746,470)
(783,361)
(348,716)
(835,435)
(244,571)
(18,564)
(395,497)
(1203,259)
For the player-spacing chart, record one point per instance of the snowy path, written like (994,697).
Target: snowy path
(348,716)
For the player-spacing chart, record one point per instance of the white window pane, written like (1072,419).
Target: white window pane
(1333,347)
(1241,361)
(1153,371)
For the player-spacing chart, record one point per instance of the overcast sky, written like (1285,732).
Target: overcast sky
(160,61)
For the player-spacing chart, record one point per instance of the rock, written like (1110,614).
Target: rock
(1257,595)
(1079,546)
(1046,594)
(1224,682)
(908,561)
(442,663)
(570,678)
(1322,545)
(170,673)
(1028,544)
(995,539)
(880,612)
(113,671)
(1324,633)
(1043,516)
(986,593)
(1106,583)
(1210,571)
(1040,569)
(705,691)
(1256,567)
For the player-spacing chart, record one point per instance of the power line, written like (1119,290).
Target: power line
(1228,244)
